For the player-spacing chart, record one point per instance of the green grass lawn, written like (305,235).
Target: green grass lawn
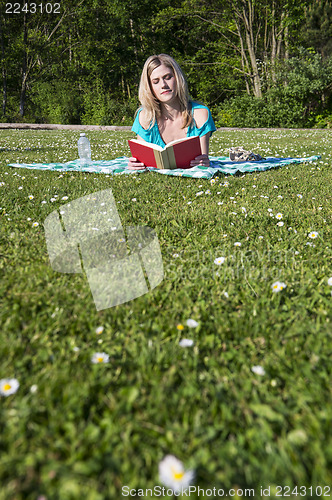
(76,430)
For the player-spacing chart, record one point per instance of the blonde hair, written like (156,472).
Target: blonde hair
(150,103)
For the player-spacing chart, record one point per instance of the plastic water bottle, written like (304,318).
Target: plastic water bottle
(84,148)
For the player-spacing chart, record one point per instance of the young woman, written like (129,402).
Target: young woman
(167,112)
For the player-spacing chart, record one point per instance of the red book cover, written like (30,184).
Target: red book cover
(176,154)
(186,151)
(142,153)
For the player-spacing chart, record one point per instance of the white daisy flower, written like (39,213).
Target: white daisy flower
(31,197)
(133,199)
(258,370)
(64,198)
(35,224)
(34,389)
(226,295)
(186,343)
(279,216)
(99,330)
(173,475)
(192,323)
(278,286)
(280,224)
(237,244)
(100,357)
(8,386)
(313,234)
(299,196)
(329,281)
(219,260)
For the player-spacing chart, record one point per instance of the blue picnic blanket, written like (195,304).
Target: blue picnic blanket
(218,165)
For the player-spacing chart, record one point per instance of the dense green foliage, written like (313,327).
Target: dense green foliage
(75,430)
(255,63)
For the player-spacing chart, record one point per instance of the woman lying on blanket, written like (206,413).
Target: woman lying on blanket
(167,113)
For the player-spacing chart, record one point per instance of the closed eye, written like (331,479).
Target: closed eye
(168,76)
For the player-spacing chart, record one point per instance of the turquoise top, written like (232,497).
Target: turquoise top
(153,136)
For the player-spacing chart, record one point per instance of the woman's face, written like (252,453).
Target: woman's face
(163,83)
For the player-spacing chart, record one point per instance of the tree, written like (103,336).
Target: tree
(252,34)
(317,27)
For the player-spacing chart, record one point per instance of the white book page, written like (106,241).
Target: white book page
(179,140)
(148,144)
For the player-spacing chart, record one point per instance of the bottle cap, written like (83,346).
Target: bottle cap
(82,134)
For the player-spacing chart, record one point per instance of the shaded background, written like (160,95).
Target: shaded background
(255,63)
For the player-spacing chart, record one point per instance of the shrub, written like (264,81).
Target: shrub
(300,97)
(269,111)
(57,101)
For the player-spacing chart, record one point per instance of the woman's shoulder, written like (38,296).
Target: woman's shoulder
(143,119)
(197,105)
(201,113)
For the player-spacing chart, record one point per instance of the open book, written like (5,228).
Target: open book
(176,154)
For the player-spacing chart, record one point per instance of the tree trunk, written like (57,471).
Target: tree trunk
(244,60)
(286,40)
(273,44)
(24,67)
(248,21)
(4,74)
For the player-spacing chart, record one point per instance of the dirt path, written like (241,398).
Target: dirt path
(51,126)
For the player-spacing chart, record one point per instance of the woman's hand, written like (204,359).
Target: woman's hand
(134,164)
(201,160)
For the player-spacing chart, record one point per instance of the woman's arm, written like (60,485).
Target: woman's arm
(203,159)
(133,163)
(201,115)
